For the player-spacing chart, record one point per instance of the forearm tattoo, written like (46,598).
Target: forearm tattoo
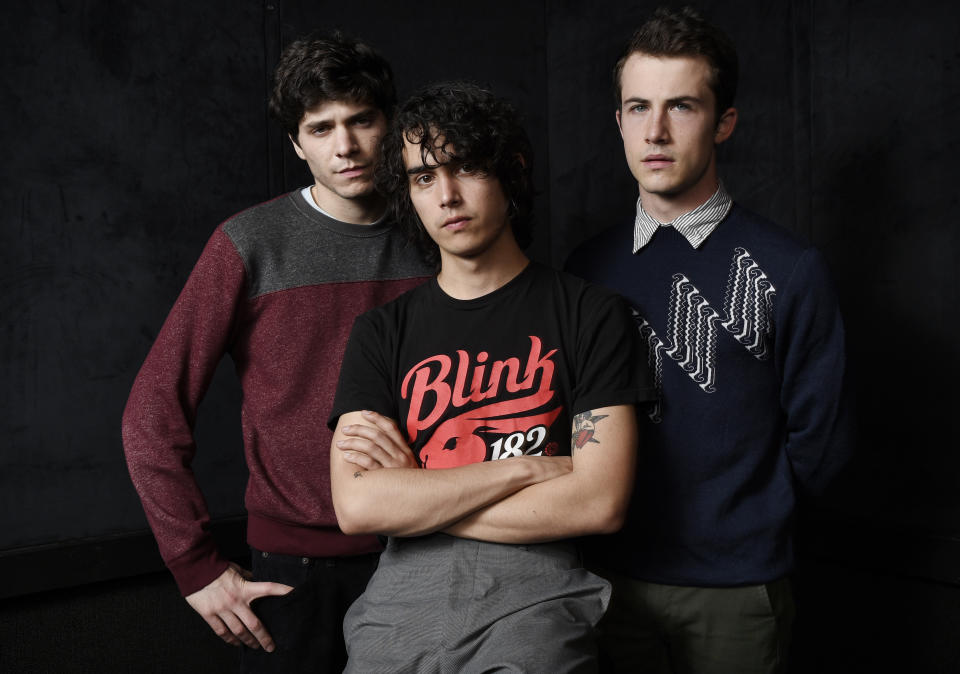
(585,429)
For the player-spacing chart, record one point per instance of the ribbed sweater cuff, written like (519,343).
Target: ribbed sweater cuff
(197,568)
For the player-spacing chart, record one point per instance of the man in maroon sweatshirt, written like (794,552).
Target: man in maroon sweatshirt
(277,287)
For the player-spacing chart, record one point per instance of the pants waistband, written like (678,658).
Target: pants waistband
(365,558)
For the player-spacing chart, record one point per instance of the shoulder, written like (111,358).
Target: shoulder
(797,269)
(757,230)
(781,253)
(253,220)
(391,315)
(578,294)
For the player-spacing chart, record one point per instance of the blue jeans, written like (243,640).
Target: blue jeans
(307,623)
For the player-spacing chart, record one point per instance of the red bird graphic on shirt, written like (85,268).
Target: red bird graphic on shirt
(456,441)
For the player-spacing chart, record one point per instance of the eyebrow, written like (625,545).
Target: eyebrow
(675,99)
(326,121)
(420,169)
(432,167)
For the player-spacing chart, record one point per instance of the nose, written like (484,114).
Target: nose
(345,143)
(449,190)
(656,131)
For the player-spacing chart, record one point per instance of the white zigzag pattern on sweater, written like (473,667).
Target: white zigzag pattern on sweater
(692,322)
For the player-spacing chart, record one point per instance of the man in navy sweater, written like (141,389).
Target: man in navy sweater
(746,342)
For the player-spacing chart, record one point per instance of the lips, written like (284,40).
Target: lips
(455,222)
(352,171)
(657,161)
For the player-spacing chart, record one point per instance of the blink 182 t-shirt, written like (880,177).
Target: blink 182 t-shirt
(496,376)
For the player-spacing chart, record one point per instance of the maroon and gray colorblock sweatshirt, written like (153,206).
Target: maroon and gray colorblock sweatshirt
(277,287)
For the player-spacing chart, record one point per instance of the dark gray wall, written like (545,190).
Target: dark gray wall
(130,129)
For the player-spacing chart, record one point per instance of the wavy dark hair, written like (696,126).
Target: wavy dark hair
(686,33)
(466,121)
(336,67)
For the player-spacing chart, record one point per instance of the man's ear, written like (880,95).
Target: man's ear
(725,126)
(618,123)
(296,147)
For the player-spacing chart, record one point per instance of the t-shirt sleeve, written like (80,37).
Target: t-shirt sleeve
(611,368)
(365,378)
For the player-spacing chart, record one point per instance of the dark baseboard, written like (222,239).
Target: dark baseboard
(73,563)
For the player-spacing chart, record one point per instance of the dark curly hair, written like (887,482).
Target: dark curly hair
(466,121)
(686,33)
(317,69)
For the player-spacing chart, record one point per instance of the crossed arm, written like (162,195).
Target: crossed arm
(524,499)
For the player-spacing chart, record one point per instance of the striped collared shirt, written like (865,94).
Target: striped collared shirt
(695,226)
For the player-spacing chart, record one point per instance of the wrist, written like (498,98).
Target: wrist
(525,471)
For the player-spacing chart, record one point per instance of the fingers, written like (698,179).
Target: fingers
(252,625)
(238,624)
(376,446)
(386,425)
(221,630)
(245,626)
(363,451)
(231,629)
(359,459)
(264,589)
(225,605)
(255,629)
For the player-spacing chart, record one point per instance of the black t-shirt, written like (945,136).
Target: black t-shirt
(496,376)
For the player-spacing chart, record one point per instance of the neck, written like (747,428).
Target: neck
(467,278)
(361,210)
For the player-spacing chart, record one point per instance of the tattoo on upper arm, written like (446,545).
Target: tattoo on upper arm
(585,428)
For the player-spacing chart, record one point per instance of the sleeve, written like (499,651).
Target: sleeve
(815,392)
(365,379)
(611,368)
(161,411)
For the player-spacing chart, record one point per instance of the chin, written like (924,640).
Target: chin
(664,188)
(357,191)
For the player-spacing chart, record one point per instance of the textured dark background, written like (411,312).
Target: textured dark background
(131,128)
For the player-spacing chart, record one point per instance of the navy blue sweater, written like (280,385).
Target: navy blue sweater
(746,342)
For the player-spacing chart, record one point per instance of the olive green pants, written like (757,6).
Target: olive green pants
(669,629)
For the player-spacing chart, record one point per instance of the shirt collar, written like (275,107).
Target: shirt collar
(695,226)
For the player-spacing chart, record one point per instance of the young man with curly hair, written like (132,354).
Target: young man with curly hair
(277,287)
(742,326)
(505,391)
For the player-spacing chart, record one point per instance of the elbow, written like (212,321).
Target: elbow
(353,518)
(608,516)
(351,527)
(612,521)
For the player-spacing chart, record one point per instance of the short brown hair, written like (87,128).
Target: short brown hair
(335,67)
(685,33)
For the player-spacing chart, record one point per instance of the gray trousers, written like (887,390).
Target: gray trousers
(670,629)
(444,604)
